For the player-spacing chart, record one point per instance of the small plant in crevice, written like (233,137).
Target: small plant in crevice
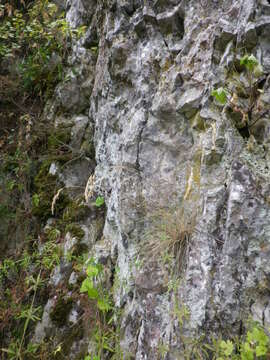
(93,286)
(106,332)
(239,96)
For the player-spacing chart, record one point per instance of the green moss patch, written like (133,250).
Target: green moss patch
(75,231)
(76,212)
(61,311)
(45,187)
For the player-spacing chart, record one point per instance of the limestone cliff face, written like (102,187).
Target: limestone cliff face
(144,75)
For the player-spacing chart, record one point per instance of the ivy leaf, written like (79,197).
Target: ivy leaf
(220,95)
(99,201)
(258,336)
(92,293)
(88,286)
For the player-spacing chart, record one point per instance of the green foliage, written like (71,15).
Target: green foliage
(53,234)
(35,200)
(255,345)
(220,95)
(45,186)
(249,61)
(50,256)
(75,231)
(40,36)
(93,286)
(16,350)
(226,348)
(99,201)
(60,138)
(254,69)
(75,211)
(106,333)
(240,94)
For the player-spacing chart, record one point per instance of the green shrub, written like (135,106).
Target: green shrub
(39,36)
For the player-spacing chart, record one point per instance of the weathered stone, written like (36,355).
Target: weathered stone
(160,140)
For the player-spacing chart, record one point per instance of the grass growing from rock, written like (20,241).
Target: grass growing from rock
(168,235)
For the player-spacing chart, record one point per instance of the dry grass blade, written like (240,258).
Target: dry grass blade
(168,233)
(55,198)
(89,188)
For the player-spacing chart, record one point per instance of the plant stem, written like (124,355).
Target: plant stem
(29,315)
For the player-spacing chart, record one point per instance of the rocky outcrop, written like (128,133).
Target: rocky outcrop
(142,93)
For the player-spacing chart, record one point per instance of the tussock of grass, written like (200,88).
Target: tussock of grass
(168,235)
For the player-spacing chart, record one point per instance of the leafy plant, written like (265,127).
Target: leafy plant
(16,349)
(40,36)
(249,61)
(106,334)
(254,345)
(226,348)
(35,200)
(93,286)
(99,201)
(247,87)
(221,95)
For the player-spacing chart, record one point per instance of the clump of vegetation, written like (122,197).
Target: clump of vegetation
(39,36)
(254,345)
(105,334)
(45,186)
(20,307)
(167,236)
(35,41)
(99,201)
(75,231)
(59,139)
(241,94)
(75,211)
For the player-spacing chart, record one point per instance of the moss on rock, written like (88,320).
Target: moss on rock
(45,186)
(75,231)
(76,212)
(61,310)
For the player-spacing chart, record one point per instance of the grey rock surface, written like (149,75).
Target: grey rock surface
(161,142)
